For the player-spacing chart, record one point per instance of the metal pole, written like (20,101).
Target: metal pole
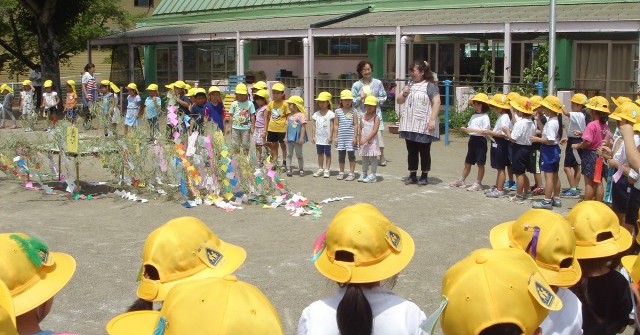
(399,84)
(447,90)
(180,60)
(312,69)
(552,48)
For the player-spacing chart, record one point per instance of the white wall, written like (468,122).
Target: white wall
(333,66)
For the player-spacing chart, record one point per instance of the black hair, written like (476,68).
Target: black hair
(140,305)
(485,106)
(88,66)
(354,315)
(502,329)
(423,67)
(361,65)
(602,116)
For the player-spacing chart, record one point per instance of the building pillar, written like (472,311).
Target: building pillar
(150,75)
(506,79)
(180,60)
(564,62)
(312,62)
(132,70)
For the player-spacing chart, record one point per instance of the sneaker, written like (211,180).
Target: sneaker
(340,175)
(408,180)
(301,173)
(423,181)
(362,177)
(13,127)
(491,189)
(538,191)
(457,183)
(496,194)
(350,177)
(383,162)
(318,173)
(371,179)
(556,202)
(326,173)
(475,187)
(543,204)
(289,173)
(570,194)
(514,187)
(518,198)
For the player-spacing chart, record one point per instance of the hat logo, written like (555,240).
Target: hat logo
(213,256)
(546,297)
(44,256)
(394,239)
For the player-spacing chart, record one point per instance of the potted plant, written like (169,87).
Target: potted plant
(390,116)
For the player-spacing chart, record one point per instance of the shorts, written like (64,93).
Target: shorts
(273,137)
(323,149)
(241,137)
(71,114)
(550,156)
(476,150)
(588,163)
(633,207)
(534,161)
(380,139)
(51,111)
(500,154)
(569,157)
(258,136)
(620,194)
(521,155)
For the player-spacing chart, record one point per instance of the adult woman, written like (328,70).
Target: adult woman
(368,85)
(419,120)
(89,91)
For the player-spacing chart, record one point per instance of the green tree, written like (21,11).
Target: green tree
(538,71)
(50,32)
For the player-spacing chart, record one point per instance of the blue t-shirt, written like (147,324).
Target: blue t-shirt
(241,114)
(197,113)
(150,108)
(215,114)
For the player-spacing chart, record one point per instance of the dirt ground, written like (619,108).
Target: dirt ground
(106,235)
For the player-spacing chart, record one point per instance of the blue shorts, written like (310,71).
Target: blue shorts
(550,156)
(476,150)
(500,154)
(521,158)
(323,149)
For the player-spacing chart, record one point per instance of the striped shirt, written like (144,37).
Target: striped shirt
(346,129)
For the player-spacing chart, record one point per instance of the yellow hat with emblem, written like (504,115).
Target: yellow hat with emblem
(597,229)
(205,306)
(278,87)
(599,103)
(7,313)
(32,273)
(620,100)
(261,85)
(184,249)
(346,95)
(241,89)
(580,99)
(491,287)
(263,94)
(522,104)
(499,100)
(363,246)
(552,103)
(548,238)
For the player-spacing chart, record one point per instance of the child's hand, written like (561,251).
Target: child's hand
(463,129)
(563,141)
(329,140)
(575,146)
(577,133)
(301,141)
(505,129)
(363,142)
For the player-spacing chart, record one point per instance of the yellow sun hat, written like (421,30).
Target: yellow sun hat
(152,87)
(180,84)
(170,86)
(6,87)
(627,111)
(200,90)
(27,82)
(261,85)
(580,99)
(535,102)
(190,92)
(114,87)
(370,100)
(497,286)
(72,84)
(512,96)
(632,265)
(324,96)
(7,314)
(620,100)
(278,87)
(298,101)
(263,94)
(522,104)
(205,306)
(133,86)
(599,103)
(214,89)
(552,103)
(499,100)
(548,238)
(32,273)
(363,246)
(480,97)
(48,83)
(241,89)
(597,229)
(187,87)
(346,95)
(184,249)
(105,83)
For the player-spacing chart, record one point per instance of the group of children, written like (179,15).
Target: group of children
(545,274)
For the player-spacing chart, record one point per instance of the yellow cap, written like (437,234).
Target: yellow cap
(7,314)
(620,100)
(241,89)
(299,102)
(480,97)
(263,94)
(180,84)
(206,306)
(214,89)
(580,99)
(627,111)
(632,265)
(324,96)
(133,86)
(522,104)
(363,246)
(552,103)
(105,82)
(346,95)
(6,87)
(170,86)
(278,87)
(370,100)
(200,90)
(48,83)
(491,287)
(187,87)
(72,84)
(499,100)
(548,238)
(598,232)
(152,87)
(535,102)
(184,249)
(32,273)
(26,82)
(512,96)
(191,92)
(114,87)
(599,103)
(261,85)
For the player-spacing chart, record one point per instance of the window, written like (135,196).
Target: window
(277,47)
(143,3)
(342,46)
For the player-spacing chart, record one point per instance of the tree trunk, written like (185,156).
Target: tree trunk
(49,56)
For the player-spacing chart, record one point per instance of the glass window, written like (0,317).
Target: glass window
(341,46)
(591,66)
(623,80)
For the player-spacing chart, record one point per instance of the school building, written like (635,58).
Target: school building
(316,44)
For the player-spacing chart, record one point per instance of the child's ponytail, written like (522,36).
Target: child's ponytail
(354,315)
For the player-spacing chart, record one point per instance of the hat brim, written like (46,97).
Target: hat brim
(628,118)
(615,116)
(52,280)
(550,107)
(499,235)
(605,248)
(7,315)
(387,268)
(234,258)
(578,102)
(140,322)
(627,263)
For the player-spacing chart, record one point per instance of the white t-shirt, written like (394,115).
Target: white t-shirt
(568,320)
(479,121)
(392,315)
(503,121)
(550,130)
(576,122)
(50,99)
(323,126)
(522,131)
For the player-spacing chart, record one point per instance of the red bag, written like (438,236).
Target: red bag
(597,174)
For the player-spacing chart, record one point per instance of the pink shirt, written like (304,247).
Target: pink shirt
(595,133)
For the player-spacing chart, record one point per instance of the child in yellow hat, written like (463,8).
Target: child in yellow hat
(50,100)
(260,99)
(604,292)
(152,109)
(477,145)
(296,134)
(134,108)
(27,106)
(7,106)
(520,137)
(276,123)
(500,145)
(218,113)
(577,123)
(322,133)
(345,135)
(243,116)
(110,107)
(7,314)
(71,100)
(359,251)
(368,138)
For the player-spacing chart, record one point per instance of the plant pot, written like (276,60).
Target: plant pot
(393,128)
